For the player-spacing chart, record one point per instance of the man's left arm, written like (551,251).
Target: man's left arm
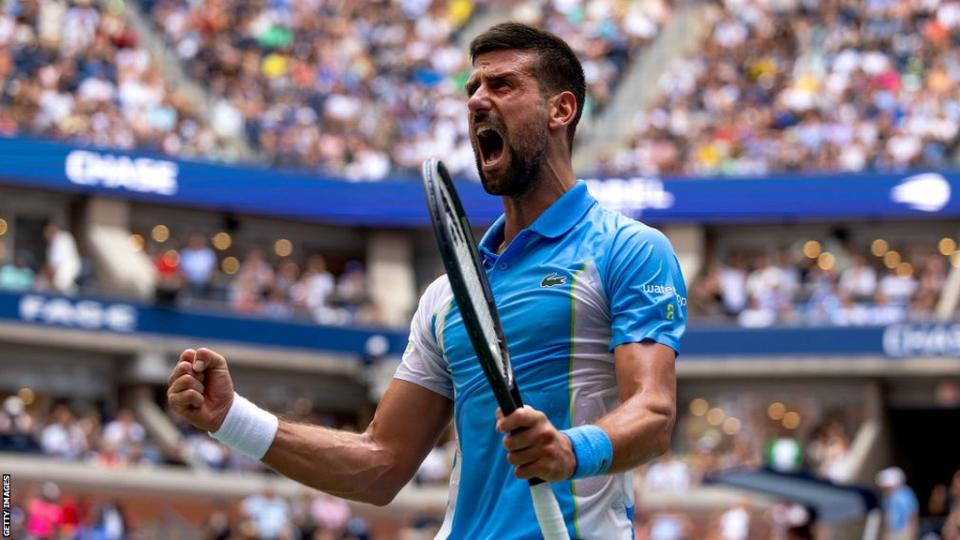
(639,428)
(648,310)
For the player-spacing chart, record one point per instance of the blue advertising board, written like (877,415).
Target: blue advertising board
(121,317)
(400,202)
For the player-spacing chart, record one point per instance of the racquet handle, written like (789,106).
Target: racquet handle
(548,512)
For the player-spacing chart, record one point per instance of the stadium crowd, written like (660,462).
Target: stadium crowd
(364,90)
(819,287)
(832,85)
(272,285)
(60,271)
(370,89)
(76,71)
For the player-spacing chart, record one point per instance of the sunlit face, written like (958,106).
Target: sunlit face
(508,121)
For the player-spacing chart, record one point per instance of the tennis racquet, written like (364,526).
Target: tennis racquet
(474,298)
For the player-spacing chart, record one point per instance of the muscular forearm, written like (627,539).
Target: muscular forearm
(344,464)
(639,429)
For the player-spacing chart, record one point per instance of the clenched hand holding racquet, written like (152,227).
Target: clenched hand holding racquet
(474,298)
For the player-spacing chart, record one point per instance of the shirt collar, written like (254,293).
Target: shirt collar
(557,219)
(565,212)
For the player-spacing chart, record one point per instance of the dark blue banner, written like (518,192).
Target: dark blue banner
(400,202)
(104,315)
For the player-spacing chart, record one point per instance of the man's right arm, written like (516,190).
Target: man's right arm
(371,466)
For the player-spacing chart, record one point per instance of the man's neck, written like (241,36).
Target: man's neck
(521,211)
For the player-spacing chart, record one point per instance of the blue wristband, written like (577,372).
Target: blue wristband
(592,448)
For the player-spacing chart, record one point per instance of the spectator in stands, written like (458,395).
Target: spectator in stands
(850,313)
(830,453)
(251,281)
(951,528)
(63,437)
(734,523)
(109,522)
(668,474)
(17,428)
(898,288)
(805,86)
(44,514)
(435,468)
(733,285)
(859,281)
(330,514)
(269,513)
(756,315)
(16,275)
(314,289)
(124,434)
(943,499)
(882,312)
(669,525)
(218,526)
(63,259)
(198,263)
(351,291)
(900,507)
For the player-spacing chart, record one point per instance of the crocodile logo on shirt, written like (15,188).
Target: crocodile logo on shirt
(552,280)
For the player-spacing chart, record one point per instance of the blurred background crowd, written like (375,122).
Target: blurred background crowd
(365,91)
(829,85)
(712,438)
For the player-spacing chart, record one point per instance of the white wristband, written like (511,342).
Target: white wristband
(248,429)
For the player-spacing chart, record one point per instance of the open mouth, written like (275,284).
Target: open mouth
(491,146)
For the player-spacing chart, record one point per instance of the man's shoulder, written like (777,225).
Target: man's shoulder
(437,293)
(622,233)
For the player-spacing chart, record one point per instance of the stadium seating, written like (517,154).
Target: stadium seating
(805,86)
(78,72)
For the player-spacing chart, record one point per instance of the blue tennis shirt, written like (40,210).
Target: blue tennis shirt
(570,288)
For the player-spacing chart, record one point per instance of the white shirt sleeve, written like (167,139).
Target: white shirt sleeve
(423,361)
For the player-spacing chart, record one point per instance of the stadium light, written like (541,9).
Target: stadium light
(160,233)
(715,416)
(283,247)
(947,246)
(891,259)
(826,260)
(136,242)
(812,249)
(221,241)
(731,426)
(230,265)
(776,410)
(699,407)
(879,247)
(904,270)
(26,395)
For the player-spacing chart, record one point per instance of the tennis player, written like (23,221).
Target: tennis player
(592,305)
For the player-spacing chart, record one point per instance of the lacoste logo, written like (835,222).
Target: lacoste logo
(552,280)
(670,311)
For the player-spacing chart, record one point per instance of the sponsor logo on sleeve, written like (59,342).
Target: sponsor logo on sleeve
(663,290)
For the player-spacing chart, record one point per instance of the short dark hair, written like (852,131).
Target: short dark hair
(557,67)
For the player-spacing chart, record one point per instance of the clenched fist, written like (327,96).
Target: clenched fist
(200,388)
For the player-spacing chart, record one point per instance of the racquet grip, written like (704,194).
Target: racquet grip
(548,512)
